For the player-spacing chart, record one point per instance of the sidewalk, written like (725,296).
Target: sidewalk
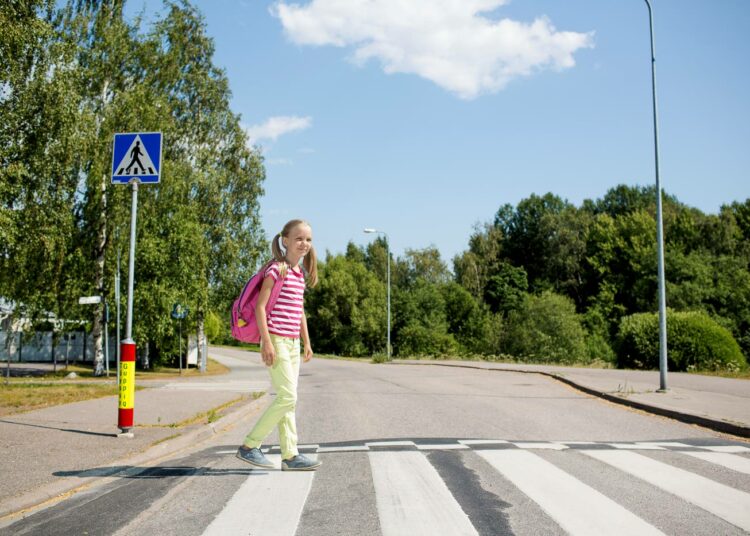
(48,452)
(721,404)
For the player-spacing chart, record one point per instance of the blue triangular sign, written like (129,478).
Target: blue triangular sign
(136,156)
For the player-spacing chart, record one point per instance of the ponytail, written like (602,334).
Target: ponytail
(278,254)
(311,267)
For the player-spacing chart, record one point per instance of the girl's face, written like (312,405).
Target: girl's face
(297,243)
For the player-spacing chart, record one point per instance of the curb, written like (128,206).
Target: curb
(48,494)
(688,418)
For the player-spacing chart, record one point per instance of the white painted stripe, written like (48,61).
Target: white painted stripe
(577,442)
(664,444)
(412,498)
(444,446)
(539,445)
(579,509)
(226,451)
(299,447)
(635,446)
(391,444)
(483,442)
(268,502)
(730,461)
(728,503)
(727,448)
(353,448)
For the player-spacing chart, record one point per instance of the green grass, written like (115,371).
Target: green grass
(19,397)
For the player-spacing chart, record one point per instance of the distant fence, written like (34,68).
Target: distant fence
(38,347)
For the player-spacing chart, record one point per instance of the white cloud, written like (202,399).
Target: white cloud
(274,127)
(453,43)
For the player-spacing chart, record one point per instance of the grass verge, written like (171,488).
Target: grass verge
(19,397)
(84,372)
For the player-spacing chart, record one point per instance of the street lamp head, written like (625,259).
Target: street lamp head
(370,230)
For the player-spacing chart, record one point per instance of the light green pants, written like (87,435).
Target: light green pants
(284,375)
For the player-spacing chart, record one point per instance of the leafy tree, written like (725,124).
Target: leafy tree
(528,230)
(421,325)
(346,312)
(81,74)
(506,288)
(474,267)
(426,264)
(469,321)
(38,128)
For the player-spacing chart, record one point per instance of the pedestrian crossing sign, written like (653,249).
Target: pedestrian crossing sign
(136,156)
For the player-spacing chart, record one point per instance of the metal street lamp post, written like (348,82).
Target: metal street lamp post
(388,271)
(659,222)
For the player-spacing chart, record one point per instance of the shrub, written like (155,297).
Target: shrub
(694,342)
(598,349)
(417,340)
(213,327)
(546,328)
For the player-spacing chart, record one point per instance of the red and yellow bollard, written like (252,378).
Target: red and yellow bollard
(127,386)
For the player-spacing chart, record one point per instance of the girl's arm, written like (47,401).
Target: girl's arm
(305,338)
(266,346)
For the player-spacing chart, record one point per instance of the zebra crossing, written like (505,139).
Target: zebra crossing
(412,497)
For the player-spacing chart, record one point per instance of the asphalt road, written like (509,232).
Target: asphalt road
(434,450)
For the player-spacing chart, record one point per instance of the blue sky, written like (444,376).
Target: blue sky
(422,118)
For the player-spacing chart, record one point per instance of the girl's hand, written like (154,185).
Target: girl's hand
(267,353)
(308,353)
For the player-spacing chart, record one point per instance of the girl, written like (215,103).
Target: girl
(280,333)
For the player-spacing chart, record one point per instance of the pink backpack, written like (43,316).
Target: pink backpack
(244,324)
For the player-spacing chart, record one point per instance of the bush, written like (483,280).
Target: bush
(213,327)
(694,342)
(547,329)
(598,349)
(418,340)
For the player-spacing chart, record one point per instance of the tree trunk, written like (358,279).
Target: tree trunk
(101,242)
(145,363)
(201,344)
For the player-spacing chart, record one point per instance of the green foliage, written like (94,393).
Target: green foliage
(505,288)
(70,76)
(346,312)
(214,327)
(695,342)
(546,329)
(469,321)
(420,321)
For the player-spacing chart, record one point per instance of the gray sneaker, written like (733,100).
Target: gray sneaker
(299,463)
(254,457)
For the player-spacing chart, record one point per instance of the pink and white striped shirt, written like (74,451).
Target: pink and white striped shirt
(286,315)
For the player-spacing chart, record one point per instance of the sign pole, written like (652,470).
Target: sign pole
(117,305)
(127,345)
(136,158)
(106,335)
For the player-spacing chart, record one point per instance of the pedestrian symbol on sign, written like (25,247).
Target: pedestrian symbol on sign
(135,164)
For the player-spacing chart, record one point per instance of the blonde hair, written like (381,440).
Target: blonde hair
(311,259)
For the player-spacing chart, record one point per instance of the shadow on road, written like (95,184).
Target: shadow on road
(131,471)
(85,432)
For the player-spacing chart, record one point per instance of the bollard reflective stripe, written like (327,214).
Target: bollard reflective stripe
(127,385)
